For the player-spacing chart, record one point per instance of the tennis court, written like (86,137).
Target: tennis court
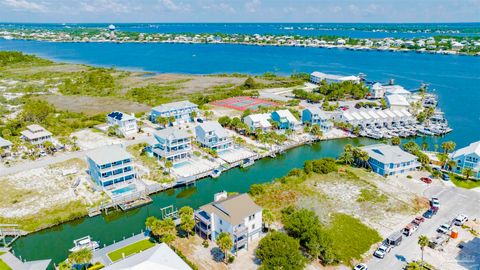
(243,103)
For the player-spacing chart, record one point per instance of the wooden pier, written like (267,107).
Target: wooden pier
(10,231)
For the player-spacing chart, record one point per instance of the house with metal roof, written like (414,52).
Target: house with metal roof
(285,119)
(468,157)
(258,121)
(397,102)
(171,143)
(315,116)
(317,77)
(160,256)
(111,166)
(212,135)
(124,124)
(180,110)
(388,160)
(36,134)
(237,215)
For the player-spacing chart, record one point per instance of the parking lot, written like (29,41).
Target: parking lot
(453,201)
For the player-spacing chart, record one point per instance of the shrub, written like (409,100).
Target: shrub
(231,259)
(205,243)
(256,189)
(323,166)
(280,251)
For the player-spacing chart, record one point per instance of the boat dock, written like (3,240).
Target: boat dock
(9,233)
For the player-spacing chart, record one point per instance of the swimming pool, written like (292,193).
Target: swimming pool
(123,190)
(181,164)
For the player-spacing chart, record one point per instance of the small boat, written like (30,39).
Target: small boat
(247,162)
(216,173)
(84,243)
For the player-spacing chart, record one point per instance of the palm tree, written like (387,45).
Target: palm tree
(81,257)
(187,222)
(171,119)
(451,164)
(448,146)
(396,141)
(48,145)
(208,114)
(168,165)
(424,145)
(422,242)
(225,243)
(193,115)
(347,155)
(267,217)
(467,172)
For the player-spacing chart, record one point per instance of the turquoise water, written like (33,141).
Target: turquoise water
(181,164)
(455,79)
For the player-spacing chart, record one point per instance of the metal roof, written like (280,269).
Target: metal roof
(108,154)
(388,153)
(233,209)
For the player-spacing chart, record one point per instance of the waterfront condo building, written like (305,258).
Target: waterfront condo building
(111,166)
(388,160)
(125,124)
(259,121)
(468,157)
(180,110)
(315,116)
(285,119)
(36,134)
(317,77)
(171,143)
(212,135)
(237,215)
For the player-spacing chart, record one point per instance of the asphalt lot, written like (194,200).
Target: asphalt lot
(453,201)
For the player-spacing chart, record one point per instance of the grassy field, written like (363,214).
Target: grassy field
(130,249)
(460,182)
(4,266)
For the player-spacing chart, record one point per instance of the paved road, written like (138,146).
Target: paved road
(453,201)
(59,157)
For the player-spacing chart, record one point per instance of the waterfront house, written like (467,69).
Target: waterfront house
(237,215)
(111,166)
(387,159)
(6,146)
(397,102)
(377,91)
(160,256)
(212,135)
(393,89)
(171,143)
(180,110)
(36,134)
(468,157)
(259,121)
(317,77)
(125,125)
(315,116)
(285,119)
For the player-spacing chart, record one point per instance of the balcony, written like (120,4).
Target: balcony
(240,230)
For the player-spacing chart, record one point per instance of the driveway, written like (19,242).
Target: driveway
(453,201)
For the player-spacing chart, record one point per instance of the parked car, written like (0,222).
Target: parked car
(444,228)
(360,266)
(460,220)
(445,177)
(426,180)
(429,213)
(434,202)
(382,251)
(410,229)
(419,219)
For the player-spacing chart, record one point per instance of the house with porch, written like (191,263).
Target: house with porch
(180,110)
(468,157)
(237,215)
(388,160)
(172,144)
(36,134)
(285,119)
(315,116)
(212,135)
(111,166)
(259,121)
(125,124)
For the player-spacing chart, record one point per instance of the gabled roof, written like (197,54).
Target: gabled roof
(213,126)
(172,133)
(470,149)
(382,114)
(160,257)
(348,116)
(261,118)
(287,114)
(334,77)
(35,131)
(357,116)
(397,100)
(388,153)
(233,209)
(108,154)
(317,111)
(5,143)
(174,106)
(396,90)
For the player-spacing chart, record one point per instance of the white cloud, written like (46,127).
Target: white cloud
(25,5)
(107,5)
(171,5)
(217,6)
(253,5)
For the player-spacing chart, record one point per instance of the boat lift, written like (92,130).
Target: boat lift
(170,212)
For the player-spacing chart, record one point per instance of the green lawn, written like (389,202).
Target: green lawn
(351,238)
(4,266)
(468,184)
(130,249)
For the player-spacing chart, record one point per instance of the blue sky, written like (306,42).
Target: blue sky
(239,11)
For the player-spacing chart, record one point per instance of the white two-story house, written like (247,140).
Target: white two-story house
(259,121)
(237,215)
(124,124)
